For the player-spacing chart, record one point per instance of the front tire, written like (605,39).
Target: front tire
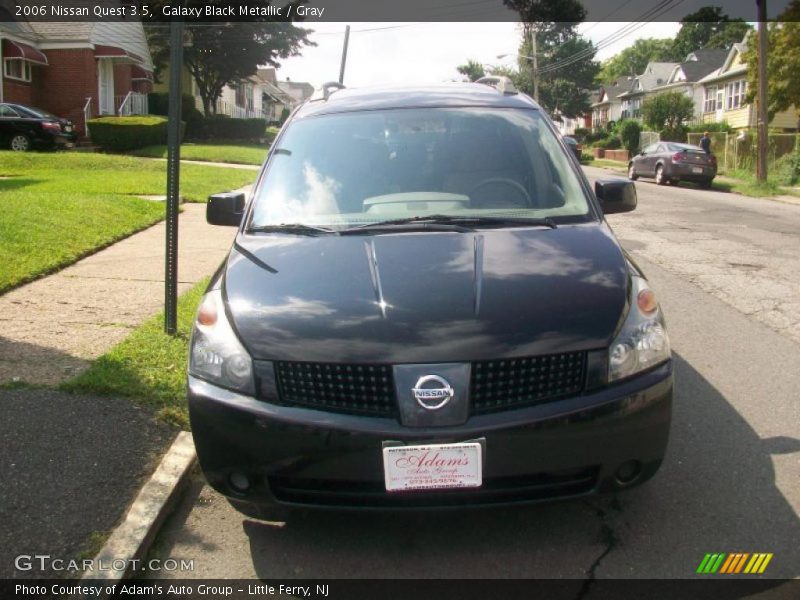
(20,143)
(660,179)
(632,172)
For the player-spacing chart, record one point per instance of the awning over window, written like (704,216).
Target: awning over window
(118,53)
(24,51)
(140,74)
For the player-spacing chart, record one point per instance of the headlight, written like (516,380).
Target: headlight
(642,342)
(216,354)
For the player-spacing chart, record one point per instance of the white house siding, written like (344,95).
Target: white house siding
(126,35)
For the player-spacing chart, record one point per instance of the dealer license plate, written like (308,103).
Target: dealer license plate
(432,467)
(697,169)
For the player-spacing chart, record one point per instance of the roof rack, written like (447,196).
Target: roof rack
(327,88)
(500,82)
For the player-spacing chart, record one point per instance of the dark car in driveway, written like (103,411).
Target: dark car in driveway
(24,128)
(574,146)
(672,162)
(424,307)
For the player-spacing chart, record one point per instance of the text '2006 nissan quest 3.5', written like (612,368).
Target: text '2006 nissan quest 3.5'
(424,307)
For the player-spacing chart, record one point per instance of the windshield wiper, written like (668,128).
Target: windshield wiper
(451,223)
(297,228)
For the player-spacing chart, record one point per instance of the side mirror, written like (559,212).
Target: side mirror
(642,153)
(225,209)
(615,195)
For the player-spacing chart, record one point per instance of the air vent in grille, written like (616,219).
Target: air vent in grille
(499,385)
(355,389)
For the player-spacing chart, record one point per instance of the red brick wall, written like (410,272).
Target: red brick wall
(122,80)
(64,85)
(18,91)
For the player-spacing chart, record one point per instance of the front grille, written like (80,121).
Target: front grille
(498,385)
(495,386)
(353,389)
(495,490)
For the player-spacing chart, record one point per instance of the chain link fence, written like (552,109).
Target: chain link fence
(737,151)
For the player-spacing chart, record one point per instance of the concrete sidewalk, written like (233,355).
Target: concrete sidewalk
(50,329)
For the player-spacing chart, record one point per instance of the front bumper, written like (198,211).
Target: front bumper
(301,457)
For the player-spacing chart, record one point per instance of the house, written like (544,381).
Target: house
(642,86)
(76,70)
(685,77)
(607,107)
(256,97)
(724,91)
(299,90)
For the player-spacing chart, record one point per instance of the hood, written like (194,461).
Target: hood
(428,296)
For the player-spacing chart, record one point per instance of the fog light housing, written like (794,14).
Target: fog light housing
(628,472)
(239,481)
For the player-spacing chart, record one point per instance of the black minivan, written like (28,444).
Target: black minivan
(424,307)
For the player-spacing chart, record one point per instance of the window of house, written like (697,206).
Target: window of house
(710,103)
(17,68)
(734,94)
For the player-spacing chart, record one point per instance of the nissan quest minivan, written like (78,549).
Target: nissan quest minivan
(424,307)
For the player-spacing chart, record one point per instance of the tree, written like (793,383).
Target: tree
(566,66)
(226,53)
(473,70)
(783,66)
(629,130)
(709,27)
(667,111)
(783,63)
(633,59)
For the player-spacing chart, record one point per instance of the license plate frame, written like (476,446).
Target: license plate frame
(432,467)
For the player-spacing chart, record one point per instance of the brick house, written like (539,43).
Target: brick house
(76,70)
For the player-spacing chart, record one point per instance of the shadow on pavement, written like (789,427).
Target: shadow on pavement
(716,492)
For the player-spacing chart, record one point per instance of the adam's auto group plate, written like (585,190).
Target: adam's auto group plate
(431,467)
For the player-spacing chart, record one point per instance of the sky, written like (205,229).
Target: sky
(395,53)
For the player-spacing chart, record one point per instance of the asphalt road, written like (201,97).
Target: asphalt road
(726,271)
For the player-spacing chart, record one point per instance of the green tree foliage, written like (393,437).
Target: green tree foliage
(565,89)
(628,130)
(667,111)
(473,70)
(633,59)
(709,27)
(226,53)
(783,62)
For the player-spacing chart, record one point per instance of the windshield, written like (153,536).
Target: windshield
(344,170)
(36,113)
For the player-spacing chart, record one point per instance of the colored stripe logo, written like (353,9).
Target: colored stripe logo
(734,563)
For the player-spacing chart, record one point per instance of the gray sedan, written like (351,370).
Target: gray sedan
(671,162)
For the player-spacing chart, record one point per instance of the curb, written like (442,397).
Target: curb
(132,538)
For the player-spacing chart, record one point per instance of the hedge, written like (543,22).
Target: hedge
(221,127)
(118,134)
(158,104)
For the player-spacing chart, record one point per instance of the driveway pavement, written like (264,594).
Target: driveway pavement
(730,481)
(68,469)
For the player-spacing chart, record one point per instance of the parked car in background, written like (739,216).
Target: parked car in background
(24,128)
(671,162)
(425,307)
(573,145)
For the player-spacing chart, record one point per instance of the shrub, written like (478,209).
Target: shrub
(628,130)
(609,143)
(667,111)
(674,134)
(118,134)
(721,127)
(581,132)
(221,127)
(158,104)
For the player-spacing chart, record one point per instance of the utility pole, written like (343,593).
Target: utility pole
(761,102)
(173,177)
(535,67)
(344,53)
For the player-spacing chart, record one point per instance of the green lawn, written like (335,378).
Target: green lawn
(58,207)
(41,232)
(91,173)
(149,365)
(226,153)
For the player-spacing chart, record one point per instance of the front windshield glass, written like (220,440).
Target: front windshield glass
(349,169)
